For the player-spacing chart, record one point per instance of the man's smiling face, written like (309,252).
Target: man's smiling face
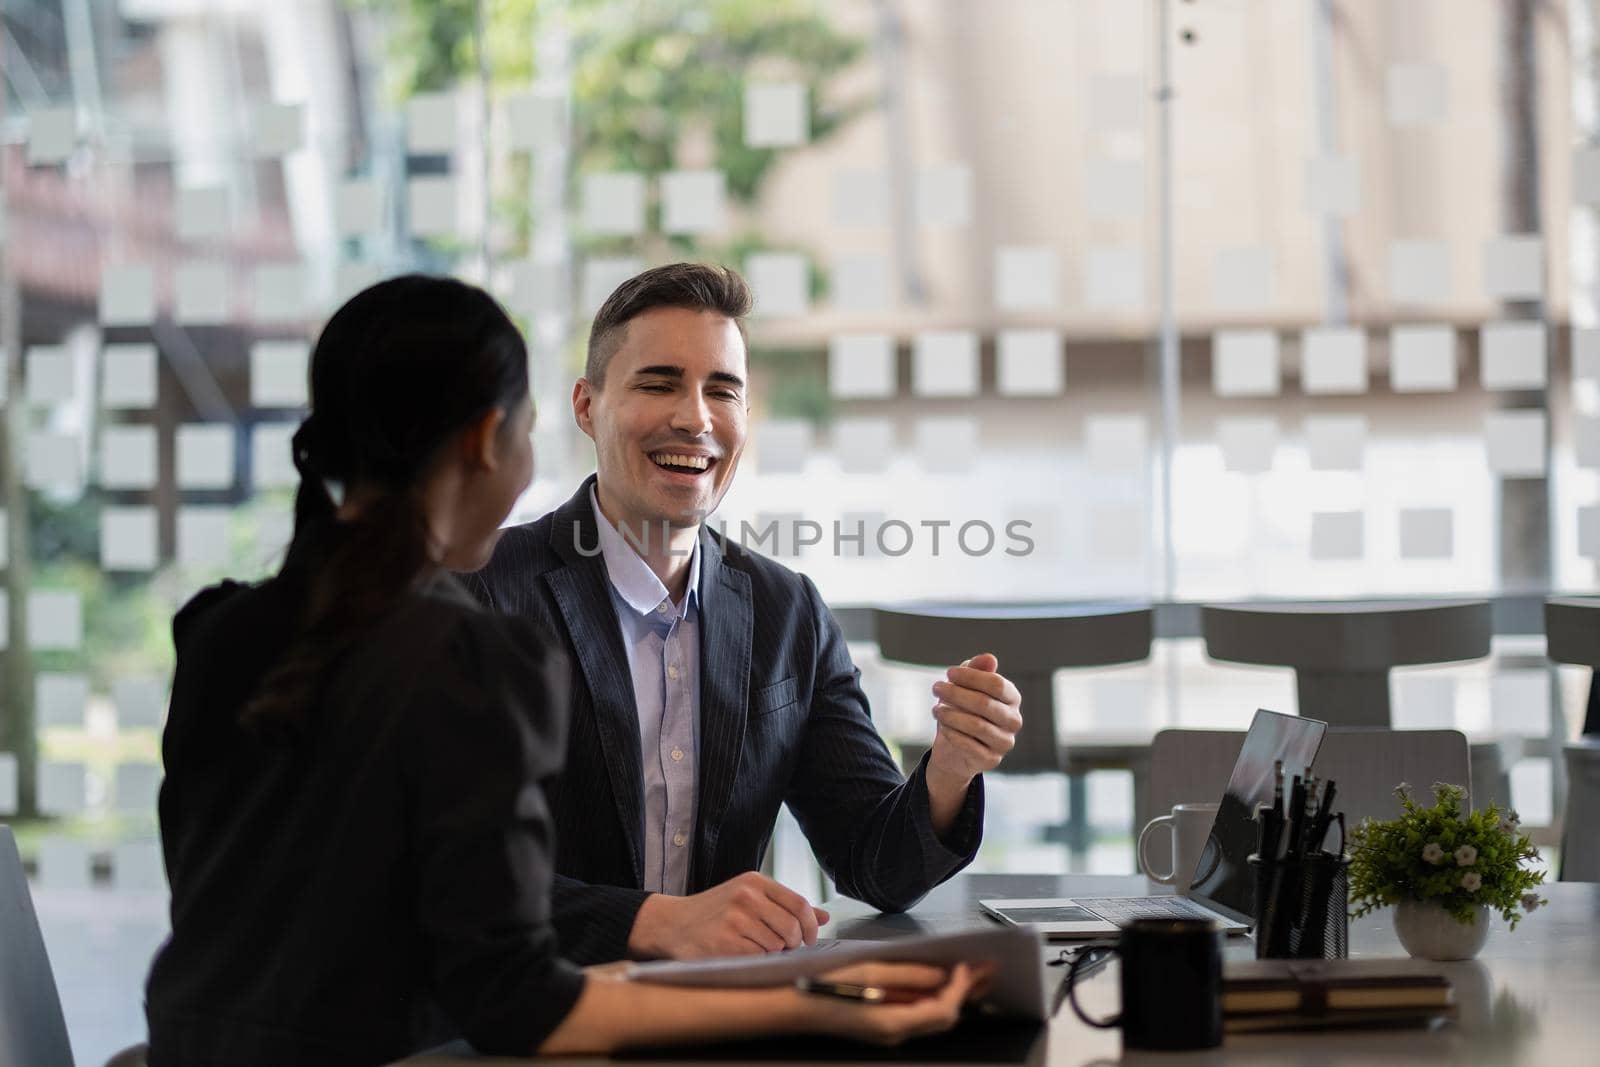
(670,419)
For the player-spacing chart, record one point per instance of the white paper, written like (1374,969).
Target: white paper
(128,457)
(1029,363)
(204,296)
(8,784)
(55,620)
(1519,702)
(137,866)
(1427,533)
(1248,442)
(280,128)
(202,213)
(1113,188)
(775,115)
(431,206)
(1245,363)
(128,376)
(127,295)
(1117,534)
(536,120)
(862,444)
(136,787)
(1589,532)
(1586,175)
(54,462)
(280,292)
(431,123)
(781,282)
(945,363)
(1419,94)
(1333,361)
(271,460)
(1336,442)
(1586,353)
(65,862)
(693,201)
(1241,278)
(128,539)
(1026,278)
(1333,186)
(60,789)
(205,456)
(1515,441)
(1422,359)
(861,198)
(602,275)
(1513,355)
(861,283)
(1116,443)
(1336,535)
(140,702)
(861,365)
(1419,272)
(1115,278)
(540,288)
(52,375)
(1116,102)
(52,135)
(944,196)
(1513,267)
(946,444)
(784,445)
(278,374)
(60,699)
(359,207)
(203,536)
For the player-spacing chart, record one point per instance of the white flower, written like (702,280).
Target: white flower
(1507,825)
(1432,852)
(1471,881)
(1466,856)
(1530,901)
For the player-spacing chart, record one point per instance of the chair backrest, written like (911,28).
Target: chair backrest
(33,1032)
(1188,766)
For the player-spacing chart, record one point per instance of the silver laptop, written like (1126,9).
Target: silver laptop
(1224,884)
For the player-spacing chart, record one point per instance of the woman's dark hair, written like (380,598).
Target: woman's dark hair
(398,371)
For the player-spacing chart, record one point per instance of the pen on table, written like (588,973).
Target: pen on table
(871,994)
(1098,957)
(1319,825)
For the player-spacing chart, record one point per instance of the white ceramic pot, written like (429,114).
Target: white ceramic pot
(1429,932)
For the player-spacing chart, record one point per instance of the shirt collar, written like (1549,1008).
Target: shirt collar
(630,576)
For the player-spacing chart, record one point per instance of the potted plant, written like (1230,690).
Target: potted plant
(1444,871)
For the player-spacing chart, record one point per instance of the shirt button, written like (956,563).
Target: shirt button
(672,672)
(664,608)
(677,755)
(680,839)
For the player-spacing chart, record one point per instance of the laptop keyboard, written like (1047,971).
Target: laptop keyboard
(1123,910)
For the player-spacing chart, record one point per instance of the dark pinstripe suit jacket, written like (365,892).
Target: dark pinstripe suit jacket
(782,720)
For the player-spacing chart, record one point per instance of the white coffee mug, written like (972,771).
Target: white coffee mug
(1188,828)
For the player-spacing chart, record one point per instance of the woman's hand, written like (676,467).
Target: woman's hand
(924,1000)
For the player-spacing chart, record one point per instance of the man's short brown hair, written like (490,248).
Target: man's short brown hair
(696,286)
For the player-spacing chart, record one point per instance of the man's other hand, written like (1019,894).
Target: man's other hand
(746,915)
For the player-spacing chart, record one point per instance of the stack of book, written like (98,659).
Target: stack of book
(1310,994)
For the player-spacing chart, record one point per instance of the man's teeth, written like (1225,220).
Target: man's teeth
(672,459)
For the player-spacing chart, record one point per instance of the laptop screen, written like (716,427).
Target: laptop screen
(1224,879)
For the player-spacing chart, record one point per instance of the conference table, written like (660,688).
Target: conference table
(1532,997)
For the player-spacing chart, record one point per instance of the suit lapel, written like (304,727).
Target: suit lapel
(726,624)
(582,592)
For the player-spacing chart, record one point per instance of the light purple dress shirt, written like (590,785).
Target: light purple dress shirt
(663,643)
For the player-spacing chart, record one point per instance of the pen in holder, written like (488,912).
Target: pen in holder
(1302,907)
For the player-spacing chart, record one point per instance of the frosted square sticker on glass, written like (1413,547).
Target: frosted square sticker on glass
(602,275)
(350,278)
(54,462)
(1586,176)
(52,375)
(1116,443)
(137,786)
(944,196)
(1424,701)
(203,537)
(1515,443)
(280,128)
(205,457)
(945,363)
(55,620)
(1333,361)
(784,445)
(1337,535)
(1513,355)
(358,207)
(861,198)
(1513,267)
(1419,272)
(1029,363)
(203,292)
(1115,278)
(52,135)
(536,120)
(128,457)
(861,283)
(8,783)
(693,201)
(65,862)
(1586,440)
(1427,533)
(128,539)
(62,789)
(1333,186)
(1422,359)
(776,115)
(863,445)
(1117,534)
(1025,278)
(271,461)
(139,702)
(1589,532)
(1241,278)
(861,365)
(431,206)
(1116,102)
(1519,702)
(946,444)
(127,295)
(278,374)
(202,213)
(1418,94)
(137,866)
(781,282)
(540,288)
(280,292)
(613,203)
(1336,442)
(1113,188)
(1245,363)
(61,699)
(1248,443)
(5,551)
(1586,353)
(128,376)
(431,123)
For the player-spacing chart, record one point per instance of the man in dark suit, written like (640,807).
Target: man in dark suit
(713,685)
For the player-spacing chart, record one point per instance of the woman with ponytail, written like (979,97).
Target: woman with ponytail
(353,818)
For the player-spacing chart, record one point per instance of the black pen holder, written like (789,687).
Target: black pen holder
(1302,907)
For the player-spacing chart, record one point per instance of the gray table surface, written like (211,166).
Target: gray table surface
(1533,997)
